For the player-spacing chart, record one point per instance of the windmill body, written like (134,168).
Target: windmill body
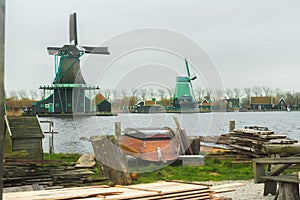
(69,87)
(184,94)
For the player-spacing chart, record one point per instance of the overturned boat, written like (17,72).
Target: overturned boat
(150,144)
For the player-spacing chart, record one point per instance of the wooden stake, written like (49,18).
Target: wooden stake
(2,95)
(117,129)
(231,125)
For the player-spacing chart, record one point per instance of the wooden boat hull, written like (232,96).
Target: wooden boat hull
(152,149)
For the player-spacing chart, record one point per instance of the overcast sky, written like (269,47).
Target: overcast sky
(230,44)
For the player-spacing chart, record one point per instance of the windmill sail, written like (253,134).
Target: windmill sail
(96,50)
(73,29)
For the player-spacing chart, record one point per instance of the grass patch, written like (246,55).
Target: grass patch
(214,170)
(66,157)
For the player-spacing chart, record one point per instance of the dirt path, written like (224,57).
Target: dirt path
(250,191)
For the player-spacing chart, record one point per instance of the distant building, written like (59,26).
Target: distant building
(102,104)
(20,105)
(232,104)
(281,104)
(146,106)
(207,105)
(261,103)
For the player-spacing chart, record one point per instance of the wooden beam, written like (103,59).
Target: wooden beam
(282,160)
(2,95)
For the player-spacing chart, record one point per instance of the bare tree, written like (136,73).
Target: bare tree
(171,92)
(13,94)
(219,94)
(123,93)
(162,93)
(151,92)
(266,90)
(199,93)
(247,92)
(208,94)
(33,94)
(115,94)
(237,92)
(257,90)
(22,94)
(229,93)
(143,93)
(107,93)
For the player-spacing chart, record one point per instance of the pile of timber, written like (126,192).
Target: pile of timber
(251,140)
(46,173)
(159,190)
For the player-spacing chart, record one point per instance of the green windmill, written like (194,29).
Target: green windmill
(184,93)
(69,87)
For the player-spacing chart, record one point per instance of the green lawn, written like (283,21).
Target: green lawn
(214,170)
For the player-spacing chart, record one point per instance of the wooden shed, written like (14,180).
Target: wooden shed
(27,135)
(104,106)
(261,103)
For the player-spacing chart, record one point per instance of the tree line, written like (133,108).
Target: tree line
(164,94)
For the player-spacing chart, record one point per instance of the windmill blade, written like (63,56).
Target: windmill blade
(96,50)
(73,29)
(193,94)
(53,50)
(187,67)
(191,79)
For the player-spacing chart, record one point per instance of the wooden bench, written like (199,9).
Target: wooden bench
(272,179)
(288,186)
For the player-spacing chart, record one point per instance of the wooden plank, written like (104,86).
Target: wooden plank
(62,194)
(113,160)
(181,136)
(128,193)
(282,160)
(168,187)
(289,178)
(281,141)
(224,186)
(253,131)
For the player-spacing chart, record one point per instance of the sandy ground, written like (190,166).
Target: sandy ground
(250,191)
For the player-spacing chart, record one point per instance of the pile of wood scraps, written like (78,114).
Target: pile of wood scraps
(158,190)
(46,173)
(251,140)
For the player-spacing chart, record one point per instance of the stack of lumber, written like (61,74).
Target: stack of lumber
(46,173)
(159,190)
(250,140)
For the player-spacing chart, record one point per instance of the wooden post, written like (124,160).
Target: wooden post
(117,129)
(51,133)
(112,161)
(2,93)
(288,191)
(185,148)
(231,125)
(195,145)
(51,138)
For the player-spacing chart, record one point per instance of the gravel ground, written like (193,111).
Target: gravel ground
(250,191)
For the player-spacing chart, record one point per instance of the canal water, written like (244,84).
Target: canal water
(71,130)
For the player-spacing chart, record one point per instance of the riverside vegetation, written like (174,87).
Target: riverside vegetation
(213,170)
